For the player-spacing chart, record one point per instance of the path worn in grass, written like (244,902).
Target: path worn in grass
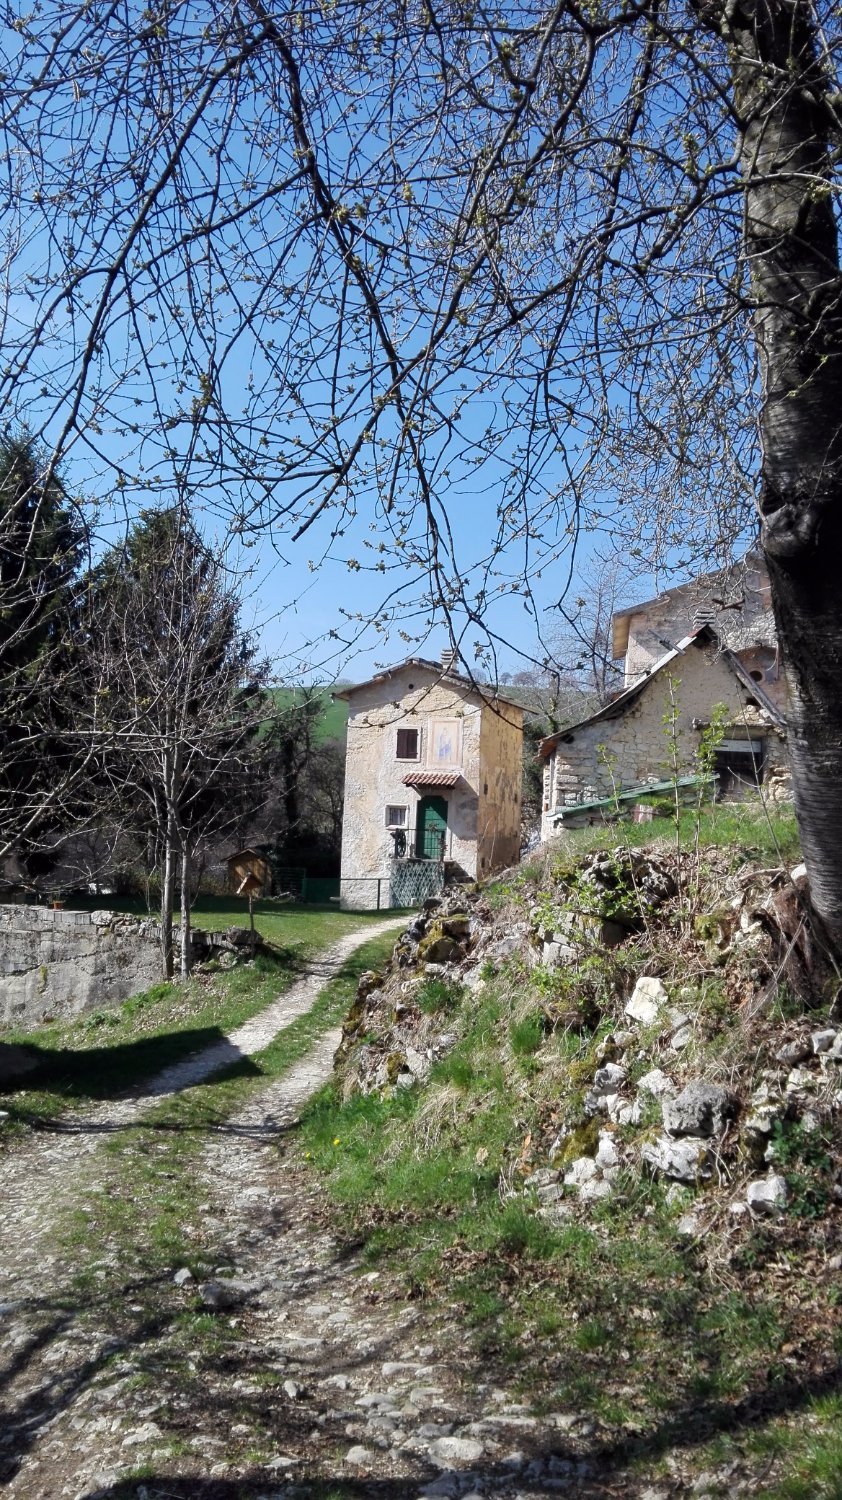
(37,1179)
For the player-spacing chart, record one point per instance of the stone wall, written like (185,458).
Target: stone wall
(60,963)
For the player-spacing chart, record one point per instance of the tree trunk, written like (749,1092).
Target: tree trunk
(185,913)
(167,902)
(781,97)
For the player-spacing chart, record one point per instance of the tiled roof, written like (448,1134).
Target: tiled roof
(423,777)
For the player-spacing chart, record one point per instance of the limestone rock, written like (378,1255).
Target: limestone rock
(557,952)
(822,1041)
(685,1160)
(455,1450)
(767,1195)
(656,1083)
(597,1187)
(700,1109)
(792,1053)
(647,1000)
(580,1171)
(359,1457)
(607,1155)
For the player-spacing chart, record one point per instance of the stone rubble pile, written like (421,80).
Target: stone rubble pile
(651,1102)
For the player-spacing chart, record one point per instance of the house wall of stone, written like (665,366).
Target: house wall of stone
(501,779)
(374,776)
(736,603)
(637,747)
(61,963)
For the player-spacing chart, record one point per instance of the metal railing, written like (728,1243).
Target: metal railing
(419,843)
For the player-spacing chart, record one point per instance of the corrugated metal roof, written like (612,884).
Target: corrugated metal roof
(423,777)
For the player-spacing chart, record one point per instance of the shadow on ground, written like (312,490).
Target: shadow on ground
(598,1472)
(107,1072)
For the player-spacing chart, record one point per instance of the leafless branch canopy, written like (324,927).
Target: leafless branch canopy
(329,263)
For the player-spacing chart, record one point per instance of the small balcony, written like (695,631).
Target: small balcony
(420,843)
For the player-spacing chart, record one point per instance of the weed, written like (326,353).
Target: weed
(527,1035)
(436,996)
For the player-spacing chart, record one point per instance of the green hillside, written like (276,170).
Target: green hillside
(334,716)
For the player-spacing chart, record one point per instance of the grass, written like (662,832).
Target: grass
(620,1318)
(748,827)
(104,1052)
(144,1218)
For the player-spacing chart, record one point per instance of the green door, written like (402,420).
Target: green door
(431,828)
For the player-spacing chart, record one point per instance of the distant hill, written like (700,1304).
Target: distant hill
(334,716)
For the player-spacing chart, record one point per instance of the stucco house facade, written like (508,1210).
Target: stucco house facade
(432,783)
(736,601)
(624,751)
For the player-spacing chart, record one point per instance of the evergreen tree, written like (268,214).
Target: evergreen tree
(41,543)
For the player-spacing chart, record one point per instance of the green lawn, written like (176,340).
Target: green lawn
(103,1052)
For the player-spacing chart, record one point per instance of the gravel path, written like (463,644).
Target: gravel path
(35,1181)
(316,1375)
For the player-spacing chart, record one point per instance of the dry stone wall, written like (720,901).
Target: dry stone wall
(60,963)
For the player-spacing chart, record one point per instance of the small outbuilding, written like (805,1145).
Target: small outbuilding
(626,750)
(249,873)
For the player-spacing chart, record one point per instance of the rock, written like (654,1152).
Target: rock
(700,1109)
(684,1160)
(607,1154)
(218,1295)
(682,1034)
(455,1450)
(557,952)
(182,1276)
(738,1210)
(647,1000)
(292,1389)
(440,950)
(687,1225)
(656,1083)
(822,1041)
(597,1187)
(359,1457)
(148,1433)
(767,1195)
(794,1052)
(473,979)
(580,1171)
(608,1079)
(417,1063)
(624,1111)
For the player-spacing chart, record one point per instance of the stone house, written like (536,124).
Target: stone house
(623,751)
(432,783)
(735,600)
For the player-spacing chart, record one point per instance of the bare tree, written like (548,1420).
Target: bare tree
(580,633)
(327,262)
(179,682)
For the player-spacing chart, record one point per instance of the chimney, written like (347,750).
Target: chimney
(449,658)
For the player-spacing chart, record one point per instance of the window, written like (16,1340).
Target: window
(407,744)
(396,817)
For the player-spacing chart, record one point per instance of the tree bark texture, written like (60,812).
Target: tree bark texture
(185,913)
(781,94)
